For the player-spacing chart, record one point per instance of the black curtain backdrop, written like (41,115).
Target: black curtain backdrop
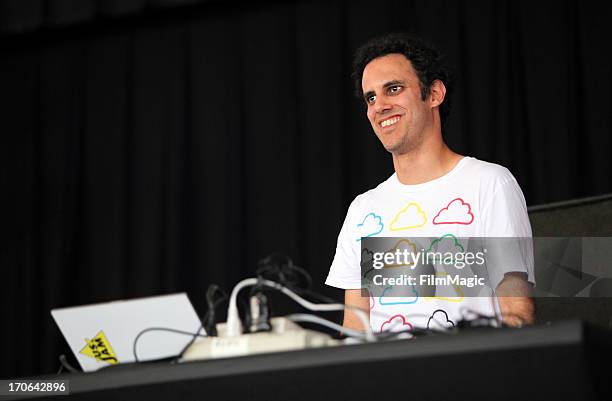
(158,150)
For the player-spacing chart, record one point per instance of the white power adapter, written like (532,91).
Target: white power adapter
(285,336)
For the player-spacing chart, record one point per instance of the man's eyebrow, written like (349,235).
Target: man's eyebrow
(385,86)
(393,83)
(368,94)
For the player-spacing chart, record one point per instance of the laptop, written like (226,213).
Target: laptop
(104,334)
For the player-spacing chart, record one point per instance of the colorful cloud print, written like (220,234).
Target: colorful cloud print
(458,290)
(439,243)
(401,245)
(456,212)
(411,216)
(396,323)
(367,259)
(370,226)
(408,301)
(439,320)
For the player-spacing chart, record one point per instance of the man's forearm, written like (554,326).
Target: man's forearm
(354,299)
(514,294)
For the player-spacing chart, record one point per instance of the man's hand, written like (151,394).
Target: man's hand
(355,299)
(514,294)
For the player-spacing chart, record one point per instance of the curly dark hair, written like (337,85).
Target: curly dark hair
(427,62)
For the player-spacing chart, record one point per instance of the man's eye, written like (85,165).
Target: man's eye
(370,99)
(394,89)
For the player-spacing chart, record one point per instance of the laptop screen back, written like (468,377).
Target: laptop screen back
(103,334)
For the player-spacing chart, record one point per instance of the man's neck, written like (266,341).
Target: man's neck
(428,162)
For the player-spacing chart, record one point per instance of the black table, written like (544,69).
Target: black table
(560,361)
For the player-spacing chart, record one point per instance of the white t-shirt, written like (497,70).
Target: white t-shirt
(474,199)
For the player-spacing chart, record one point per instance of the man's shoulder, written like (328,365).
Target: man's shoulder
(484,171)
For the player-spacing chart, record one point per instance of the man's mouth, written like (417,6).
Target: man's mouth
(389,121)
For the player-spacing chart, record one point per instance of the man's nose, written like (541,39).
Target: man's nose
(381,105)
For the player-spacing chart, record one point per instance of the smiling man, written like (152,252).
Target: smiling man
(434,192)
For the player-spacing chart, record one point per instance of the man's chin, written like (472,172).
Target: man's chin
(392,143)
(401,146)
(393,147)
(398,149)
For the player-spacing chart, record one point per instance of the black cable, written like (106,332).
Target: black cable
(65,365)
(204,319)
(188,333)
(210,322)
(280,268)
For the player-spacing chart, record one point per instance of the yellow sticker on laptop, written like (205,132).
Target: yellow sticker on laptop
(100,349)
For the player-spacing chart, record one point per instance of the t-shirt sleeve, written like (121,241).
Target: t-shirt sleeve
(345,271)
(507,231)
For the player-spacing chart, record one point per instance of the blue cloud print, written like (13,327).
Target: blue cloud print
(367,222)
(381,299)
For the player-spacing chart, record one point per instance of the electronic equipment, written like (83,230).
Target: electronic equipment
(284,336)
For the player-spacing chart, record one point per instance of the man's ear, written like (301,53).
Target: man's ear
(437,92)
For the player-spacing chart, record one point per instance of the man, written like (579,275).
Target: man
(406,89)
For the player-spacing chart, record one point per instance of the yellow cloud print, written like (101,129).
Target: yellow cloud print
(457,289)
(411,216)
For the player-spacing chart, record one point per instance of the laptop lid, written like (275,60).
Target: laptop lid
(104,334)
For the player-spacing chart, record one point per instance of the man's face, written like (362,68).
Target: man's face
(393,95)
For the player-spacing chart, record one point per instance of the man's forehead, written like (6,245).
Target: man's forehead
(390,67)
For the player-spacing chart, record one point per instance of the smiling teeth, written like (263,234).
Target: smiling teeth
(390,121)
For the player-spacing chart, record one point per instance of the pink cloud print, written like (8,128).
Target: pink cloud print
(396,323)
(456,212)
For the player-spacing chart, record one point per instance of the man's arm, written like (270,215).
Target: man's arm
(354,298)
(514,294)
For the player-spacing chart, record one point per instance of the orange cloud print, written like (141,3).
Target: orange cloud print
(456,212)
